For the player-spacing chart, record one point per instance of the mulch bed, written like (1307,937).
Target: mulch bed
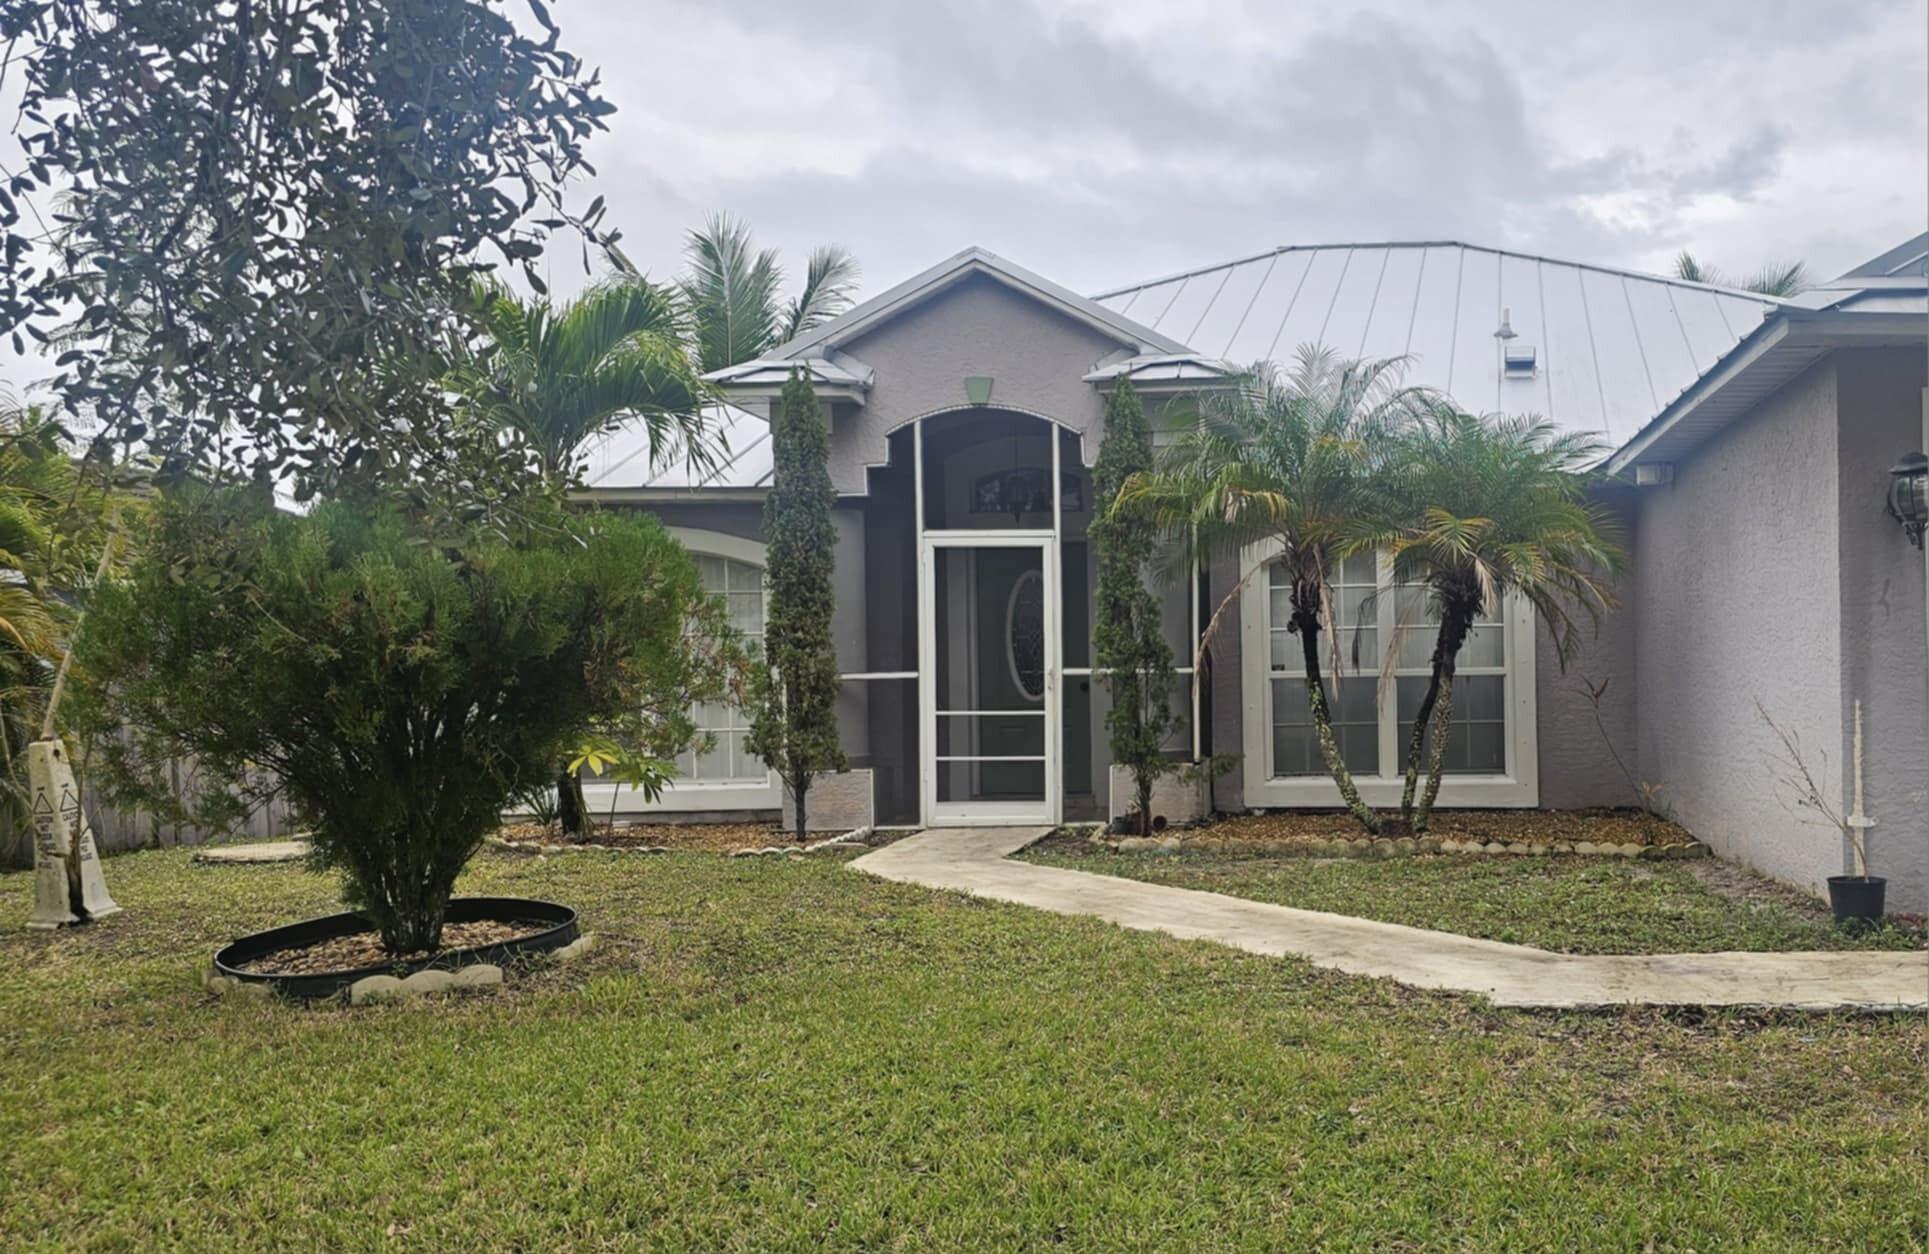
(364,949)
(696,837)
(1528,827)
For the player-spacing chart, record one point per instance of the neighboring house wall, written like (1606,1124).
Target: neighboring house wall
(1884,653)
(1577,764)
(1737,601)
(1035,357)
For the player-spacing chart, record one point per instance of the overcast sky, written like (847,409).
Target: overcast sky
(1105,142)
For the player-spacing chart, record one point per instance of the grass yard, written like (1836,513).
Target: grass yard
(1570,904)
(783,1054)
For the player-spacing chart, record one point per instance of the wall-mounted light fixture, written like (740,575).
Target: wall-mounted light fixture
(1909,495)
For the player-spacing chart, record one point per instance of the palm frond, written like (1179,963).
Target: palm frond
(1484,506)
(731,290)
(1782,278)
(1690,270)
(557,376)
(830,279)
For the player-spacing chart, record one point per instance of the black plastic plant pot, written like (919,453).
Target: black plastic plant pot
(558,929)
(1857,898)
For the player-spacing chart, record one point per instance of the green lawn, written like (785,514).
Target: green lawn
(781,1055)
(1559,902)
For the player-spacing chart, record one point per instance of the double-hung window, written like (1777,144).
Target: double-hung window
(1384,637)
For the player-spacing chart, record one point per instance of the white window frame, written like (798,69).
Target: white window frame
(1516,786)
(683,796)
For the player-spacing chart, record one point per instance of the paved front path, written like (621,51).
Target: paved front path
(265,851)
(976,861)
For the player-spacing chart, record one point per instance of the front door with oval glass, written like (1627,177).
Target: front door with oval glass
(991,691)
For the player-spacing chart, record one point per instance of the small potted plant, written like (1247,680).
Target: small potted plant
(1852,898)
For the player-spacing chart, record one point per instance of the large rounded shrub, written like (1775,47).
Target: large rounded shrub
(400,686)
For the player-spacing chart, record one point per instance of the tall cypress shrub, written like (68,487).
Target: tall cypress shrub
(793,697)
(1131,648)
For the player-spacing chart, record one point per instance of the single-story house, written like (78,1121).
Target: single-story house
(1754,439)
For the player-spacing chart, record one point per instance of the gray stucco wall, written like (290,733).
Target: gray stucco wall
(732,518)
(1035,357)
(745,521)
(1228,792)
(1770,571)
(1884,652)
(1577,768)
(1738,602)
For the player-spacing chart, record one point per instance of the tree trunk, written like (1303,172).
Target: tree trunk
(1446,648)
(1144,780)
(799,792)
(1417,743)
(572,812)
(1442,730)
(410,916)
(1306,624)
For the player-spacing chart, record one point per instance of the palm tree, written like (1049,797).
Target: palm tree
(1291,458)
(558,375)
(1784,279)
(1478,508)
(732,289)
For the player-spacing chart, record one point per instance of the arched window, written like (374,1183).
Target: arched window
(726,776)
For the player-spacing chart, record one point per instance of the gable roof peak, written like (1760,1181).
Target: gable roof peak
(974,260)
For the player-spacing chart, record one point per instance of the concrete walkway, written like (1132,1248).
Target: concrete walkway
(291,850)
(977,861)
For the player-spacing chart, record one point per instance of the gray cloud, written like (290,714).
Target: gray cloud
(1102,143)
(1105,141)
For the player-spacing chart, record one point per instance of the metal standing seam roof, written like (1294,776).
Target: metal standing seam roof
(1611,347)
(621,458)
(1883,302)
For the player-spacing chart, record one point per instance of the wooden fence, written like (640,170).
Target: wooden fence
(117,830)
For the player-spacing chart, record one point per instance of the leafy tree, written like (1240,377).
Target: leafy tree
(1292,458)
(1480,508)
(398,690)
(1786,278)
(557,376)
(253,225)
(733,291)
(1128,641)
(793,700)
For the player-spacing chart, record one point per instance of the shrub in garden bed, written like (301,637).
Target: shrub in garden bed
(400,685)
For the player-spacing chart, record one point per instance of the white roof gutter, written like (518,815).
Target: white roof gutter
(1782,347)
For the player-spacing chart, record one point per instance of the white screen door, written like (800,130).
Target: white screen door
(989,638)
